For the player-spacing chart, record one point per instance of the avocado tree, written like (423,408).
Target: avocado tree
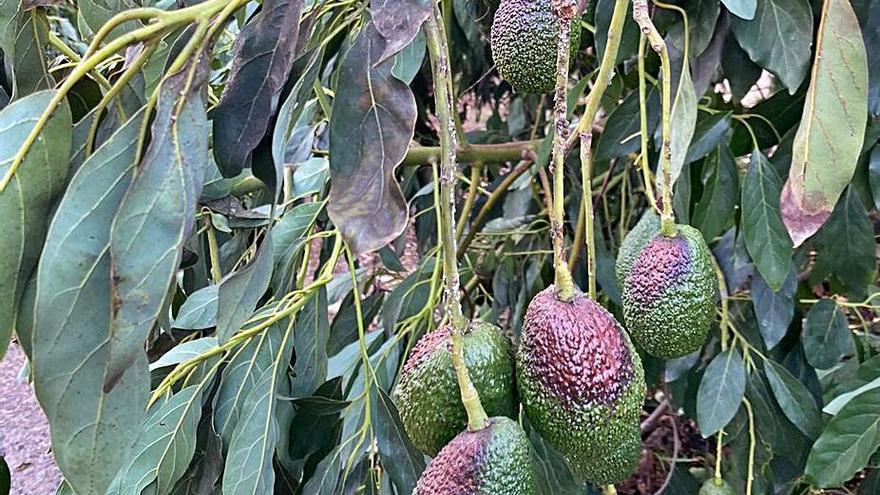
(560,247)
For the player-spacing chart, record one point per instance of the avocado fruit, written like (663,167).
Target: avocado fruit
(716,486)
(669,294)
(495,460)
(427,393)
(524,43)
(645,229)
(582,385)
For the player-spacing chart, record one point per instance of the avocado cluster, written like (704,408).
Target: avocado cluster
(495,460)
(582,385)
(427,393)
(669,293)
(524,44)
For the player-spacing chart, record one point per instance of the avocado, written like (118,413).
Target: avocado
(524,44)
(428,395)
(582,385)
(495,460)
(716,486)
(669,294)
(636,240)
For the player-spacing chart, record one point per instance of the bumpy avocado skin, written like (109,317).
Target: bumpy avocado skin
(524,41)
(493,461)
(582,385)
(711,487)
(645,229)
(669,294)
(428,396)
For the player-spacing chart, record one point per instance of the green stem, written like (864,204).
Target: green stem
(643,128)
(579,236)
(718,447)
(439,53)
(486,153)
(725,312)
(476,175)
(586,177)
(213,250)
(752,444)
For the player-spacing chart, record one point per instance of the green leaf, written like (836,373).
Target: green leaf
(708,136)
(262,59)
(374,116)
(832,128)
(774,310)
(25,52)
(621,134)
(629,39)
(702,17)
(25,203)
(721,390)
(157,214)
(184,351)
(199,311)
(553,475)
(826,336)
(794,399)
(848,247)
(847,442)
(96,13)
(92,429)
(739,70)
(741,8)
(716,206)
(683,120)
(408,62)
(344,329)
(874,175)
(399,456)
(778,38)
(240,291)
(409,297)
(310,342)
(288,237)
(766,238)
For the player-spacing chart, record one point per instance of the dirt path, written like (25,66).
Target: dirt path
(24,433)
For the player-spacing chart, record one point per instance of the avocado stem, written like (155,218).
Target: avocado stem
(436,40)
(586,178)
(565,12)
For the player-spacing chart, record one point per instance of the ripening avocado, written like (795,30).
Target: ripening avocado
(636,240)
(525,41)
(669,294)
(582,385)
(493,461)
(427,393)
(716,486)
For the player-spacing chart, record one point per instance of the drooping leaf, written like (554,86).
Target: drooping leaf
(794,399)
(765,235)
(374,118)
(720,392)
(240,291)
(399,22)
(741,8)
(263,56)
(774,310)
(400,457)
(157,214)
(199,311)
(92,430)
(25,203)
(826,336)
(310,344)
(848,247)
(832,128)
(778,38)
(847,442)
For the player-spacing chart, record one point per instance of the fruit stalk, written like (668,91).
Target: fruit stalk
(439,53)
(643,19)
(565,11)
(586,178)
(643,128)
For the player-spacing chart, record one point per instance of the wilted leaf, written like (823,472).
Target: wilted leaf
(832,128)
(92,430)
(826,336)
(373,121)
(399,456)
(399,22)
(240,291)
(794,399)
(264,54)
(157,214)
(765,235)
(199,311)
(720,392)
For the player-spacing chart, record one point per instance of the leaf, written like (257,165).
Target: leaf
(262,59)
(25,52)
(344,328)
(92,430)
(157,215)
(739,70)
(847,442)
(399,22)
(399,456)
(166,445)
(845,398)
(199,311)
(869,17)
(96,13)
(374,117)
(184,351)
(240,291)
(874,175)
(774,310)
(621,134)
(683,121)
(25,203)
(778,38)
(716,206)
(744,9)
(709,133)
(721,390)
(409,297)
(288,237)
(766,238)
(848,247)
(794,399)
(832,128)
(310,344)
(826,336)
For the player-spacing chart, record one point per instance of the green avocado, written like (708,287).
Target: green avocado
(525,41)
(582,385)
(714,486)
(669,294)
(428,395)
(636,240)
(493,461)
